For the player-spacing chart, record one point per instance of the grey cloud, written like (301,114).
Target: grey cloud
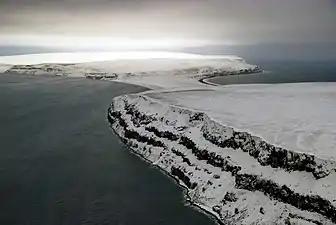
(237,20)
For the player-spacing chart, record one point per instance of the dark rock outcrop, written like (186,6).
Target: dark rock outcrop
(312,203)
(138,118)
(183,156)
(230,197)
(133,134)
(163,134)
(294,216)
(267,154)
(215,160)
(185,179)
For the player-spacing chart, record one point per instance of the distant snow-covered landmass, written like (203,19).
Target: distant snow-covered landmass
(150,69)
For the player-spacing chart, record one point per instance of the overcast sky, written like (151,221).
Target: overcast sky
(201,21)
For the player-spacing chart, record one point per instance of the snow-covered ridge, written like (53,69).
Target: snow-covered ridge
(293,116)
(150,69)
(237,176)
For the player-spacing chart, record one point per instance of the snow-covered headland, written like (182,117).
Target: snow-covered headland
(248,154)
(254,154)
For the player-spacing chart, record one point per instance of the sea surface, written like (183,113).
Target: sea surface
(284,72)
(61,164)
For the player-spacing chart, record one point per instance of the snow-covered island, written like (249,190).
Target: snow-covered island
(155,70)
(247,154)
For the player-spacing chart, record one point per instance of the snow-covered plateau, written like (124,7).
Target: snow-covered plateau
(254,154)
(155,70)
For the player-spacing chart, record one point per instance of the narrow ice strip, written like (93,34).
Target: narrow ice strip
(300,117)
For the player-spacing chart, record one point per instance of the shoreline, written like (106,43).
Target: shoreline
(136,138)
(176,181)
(207,82)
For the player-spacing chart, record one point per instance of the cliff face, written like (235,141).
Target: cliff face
(238,177)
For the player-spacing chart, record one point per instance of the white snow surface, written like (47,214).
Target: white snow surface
(213,182)
(155,70)
(300,117)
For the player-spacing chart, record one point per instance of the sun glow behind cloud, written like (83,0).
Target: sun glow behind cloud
(107,43)
(93,57)
(80,57)
(160,23)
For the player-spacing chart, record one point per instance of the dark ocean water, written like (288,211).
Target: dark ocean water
(61,164)
(285,72)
